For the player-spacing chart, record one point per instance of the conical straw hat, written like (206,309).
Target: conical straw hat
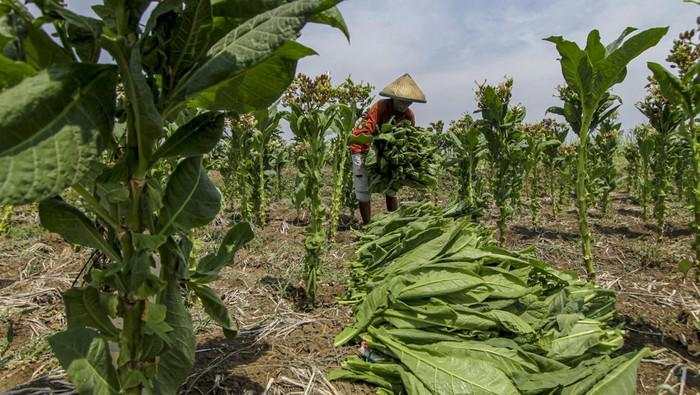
(404,88)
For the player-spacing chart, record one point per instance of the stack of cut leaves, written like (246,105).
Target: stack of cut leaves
(403,155)
(443,310)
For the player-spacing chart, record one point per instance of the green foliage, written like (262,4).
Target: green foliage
(352,100)
(467,150)
(603,177)
(632,162)
(664,117)
(5,218)
(554,160)
(589,73)
(538,140)
(310,129)
(644,140)
(442,309)
(682,91)
(403,155)
(125,138)
(238,168)
(500,125)
(347,117)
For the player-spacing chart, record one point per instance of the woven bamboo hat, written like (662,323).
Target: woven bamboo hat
(404,88)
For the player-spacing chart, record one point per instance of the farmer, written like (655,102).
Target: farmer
(401,93)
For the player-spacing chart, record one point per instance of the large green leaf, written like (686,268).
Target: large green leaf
(229,14)
(612,69)
(332,17)
(257,87)
(671,87)
(215,308)
(196,137)
(41,50)
(148,125)
(191,37)
(584,335)
(249,44)
(620,39)
(622,380)
(86,359)
(60,217)
(190,198)
(594,48)
(439,282)
(13,72)
(548,382)
(83,309)
(375,302)
(384,375)
(507,360)
(82,32)
(448,374)
(571,57)
(412,384)
(51,125)
(210,265)
(177,359)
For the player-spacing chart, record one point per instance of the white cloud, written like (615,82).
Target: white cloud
(447,45)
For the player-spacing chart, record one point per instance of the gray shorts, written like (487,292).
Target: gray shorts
(360,180)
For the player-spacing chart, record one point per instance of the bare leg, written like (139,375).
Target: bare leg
(366,212)
(392,203)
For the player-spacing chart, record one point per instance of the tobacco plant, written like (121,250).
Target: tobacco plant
(468,150)
(554,161)
(267,128)
(590,73)
(351,101)
(505,141)
(310,129)
(567,180)
(98,130)
(664,117)
(604,149)
(536,143)
(239,168)
(279,159)
(346,118)
(631,154)
(684,92)
(644,140)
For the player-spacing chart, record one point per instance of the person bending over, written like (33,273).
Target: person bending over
(401,93)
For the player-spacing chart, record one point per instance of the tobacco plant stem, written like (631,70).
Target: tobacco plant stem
(131,338)
(581,194)
(695,144)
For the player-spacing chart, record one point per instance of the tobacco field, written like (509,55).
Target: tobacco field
(177,215)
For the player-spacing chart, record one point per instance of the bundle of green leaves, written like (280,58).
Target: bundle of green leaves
(443,310)
(403,155)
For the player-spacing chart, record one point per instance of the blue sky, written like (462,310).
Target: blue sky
(448,45)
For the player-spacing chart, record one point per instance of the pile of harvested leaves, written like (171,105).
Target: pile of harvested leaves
(403,155)
(441,309)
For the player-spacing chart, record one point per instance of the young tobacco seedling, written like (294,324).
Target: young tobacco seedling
(98,129)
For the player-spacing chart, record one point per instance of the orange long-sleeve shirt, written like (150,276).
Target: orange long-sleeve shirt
(378,114)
